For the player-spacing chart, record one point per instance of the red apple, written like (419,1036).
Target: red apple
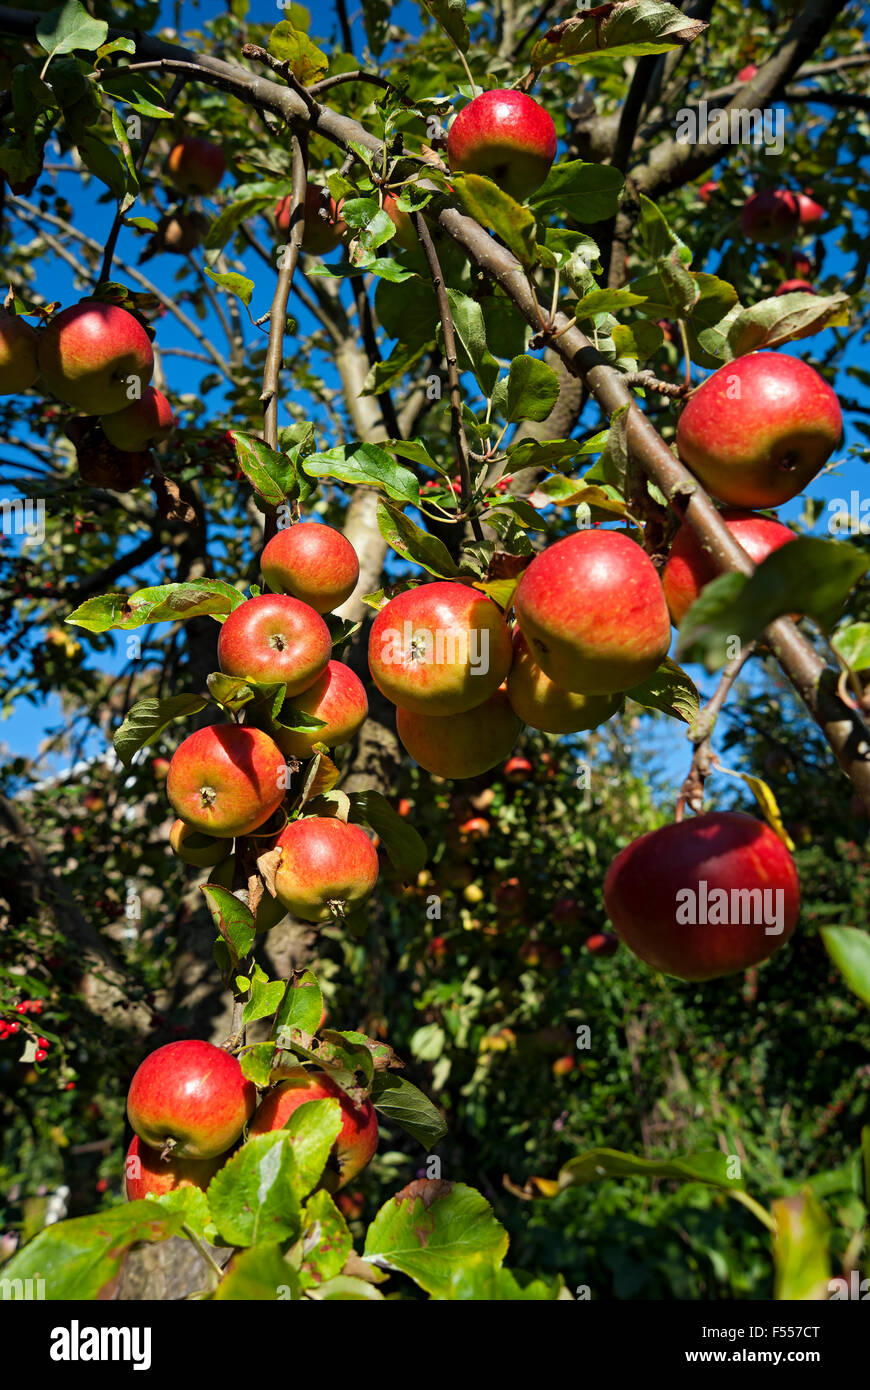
(141,424)
(506,136)
(746,74)
(275,638)
(705,897)
(690,567)
(193,847)
(759,429)
(179,233)
(706,191)
(327,868)
(338,697)
(466,744)
(195,165)
(476,828)
(510,897)
(18,348)
(792,286)
(810,211)
(802,265)
(566,912)
(563,1065)
(769,216)
(226,780)
(440,649)
(146,1173)
(357,1138)
(542,704)
(89,352)
(592,610)
(324,226)
(602,943)
(517,770)
(192,1093)
(406,236)
(313,563)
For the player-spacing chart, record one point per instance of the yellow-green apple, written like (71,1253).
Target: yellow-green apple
(465,745)
(338,697)
(195,165)
(809,210)
(770,216)
(357,1138)
(593,613)
(147,1174)
(690,567)
(508,137)
(141,424)
(18,348)
(274,637)
(226,780)
(324,225)
(439,649)
(191,1093)
(759,429)
(270,911)
(89,353)
(543,705)
(193,847)
(327,868)
(312,562)
(704,897)
(793,286)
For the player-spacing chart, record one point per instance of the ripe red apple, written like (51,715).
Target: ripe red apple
(801,265)
(141,424)
(517,770)
(506,136)
(192,1093)
(405,236)
(195,165)
(706,191)
(178,233)
(809,210)
(327,868)
(18,348)
(769,216)
(324,225)
(542,704)
(338,697)
(602,943)
(357,1138)
(475,828)
(440,649)
(689,565)
(759,429)
(146,1173)
(466,744)
(313,563)
(88,353)
(792,286)
(226,780)
(193,847)
(592,610)
(275,638)
(746,74)
(728,871)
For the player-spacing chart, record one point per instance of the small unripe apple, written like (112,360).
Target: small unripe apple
(473,894)
(792,286)
(770,216)
(439,649)
(338,697)
(314,563)
(195,165)
(357,1138)
(18,348)
(506,136)
(141,424)
(759,429)
(147,1174)
(464,745)
(592,610)
(518,770)
(543,705)
(690,567)
(193,847)
(602,943)
(226,780)
(324,225)
(89,352)
(192,1093)
(327,868)
(275,638)
(704,897)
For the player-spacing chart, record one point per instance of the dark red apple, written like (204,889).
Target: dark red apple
(147,1174)
(792,286)
(770,216)
(195,165)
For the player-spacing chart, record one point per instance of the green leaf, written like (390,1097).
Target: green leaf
(239,285)
(230,219)
(301,1007)
(450,15)
(232,918)
(260,1275)
(307,63)
(81,1259)
(384,375)
(367,465)
(586,192)
(326,1258)
(709,1168)
(254,1198)
(313,1127)
(70,28)
(266,995)
(148,718)
(801,1259)
(165,603)
(376,18)
(484,1281)
(671,690)
(849,949)
(403,844)
(852,643)
(492,207)
(407,1107)
(785,318)
(474,355)
(267,471)
(432,1229)
(532,389)
(104,163)
(717,300)
(605,302)
(414,544)
(623,30)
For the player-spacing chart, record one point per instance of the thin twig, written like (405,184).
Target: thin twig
(701,732)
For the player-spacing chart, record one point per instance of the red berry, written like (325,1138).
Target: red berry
(102,1184)
(40,1056)
(43,1043)
(12,1027)
(36,1006)
(70,1086)
(21,1008)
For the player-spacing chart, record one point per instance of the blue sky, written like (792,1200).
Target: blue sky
(26,728)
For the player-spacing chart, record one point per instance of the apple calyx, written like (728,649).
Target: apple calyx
(168,1148)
